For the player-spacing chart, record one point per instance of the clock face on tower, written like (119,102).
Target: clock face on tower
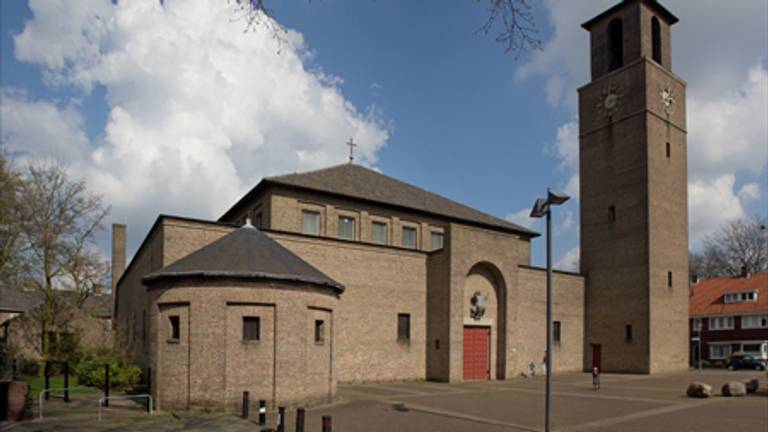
(610,100)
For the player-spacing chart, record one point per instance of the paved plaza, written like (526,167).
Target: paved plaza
(625,403)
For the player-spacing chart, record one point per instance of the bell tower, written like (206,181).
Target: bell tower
(633,194)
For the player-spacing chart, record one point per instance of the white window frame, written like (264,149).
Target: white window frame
(741,297)
(415,230)
(353,223)
(697,324)
(719,351)
(385,225)
(305,212)
(721,323)
(761,321)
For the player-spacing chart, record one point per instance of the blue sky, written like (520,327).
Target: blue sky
(172,109)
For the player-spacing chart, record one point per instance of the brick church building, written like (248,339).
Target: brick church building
(346,275)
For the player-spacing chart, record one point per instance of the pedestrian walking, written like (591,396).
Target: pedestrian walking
(532,367)
(595,378)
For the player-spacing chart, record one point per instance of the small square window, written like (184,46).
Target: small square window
(556,332)
(403,327)
(409,237)
(379,233)
(175,327)
(310,222)
(436,240)
(319,332)
(612,214)
(628,332)
(347,227)
(251,328)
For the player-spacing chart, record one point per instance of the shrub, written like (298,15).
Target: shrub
(122,373)
(26,366)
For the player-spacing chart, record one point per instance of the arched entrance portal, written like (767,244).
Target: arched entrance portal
(484,312)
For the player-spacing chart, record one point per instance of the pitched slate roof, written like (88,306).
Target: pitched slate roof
(706,297)
(358,182)
(15,299)
(19,300)
(245,253)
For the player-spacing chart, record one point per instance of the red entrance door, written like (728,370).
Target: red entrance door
(596,352)
(477,345)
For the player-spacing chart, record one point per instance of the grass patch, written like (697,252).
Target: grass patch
(37,383)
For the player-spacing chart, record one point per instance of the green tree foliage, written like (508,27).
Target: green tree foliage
(123,374)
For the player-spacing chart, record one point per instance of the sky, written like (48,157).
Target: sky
(172,107)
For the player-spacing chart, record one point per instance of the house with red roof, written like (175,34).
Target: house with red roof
(729,315)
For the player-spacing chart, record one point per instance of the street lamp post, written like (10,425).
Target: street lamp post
(542,208)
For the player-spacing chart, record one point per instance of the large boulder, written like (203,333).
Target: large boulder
(751,384)
(734,388)
(698,389)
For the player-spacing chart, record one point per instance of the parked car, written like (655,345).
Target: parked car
(744,361)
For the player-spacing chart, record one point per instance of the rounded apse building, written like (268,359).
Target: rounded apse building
(241,314)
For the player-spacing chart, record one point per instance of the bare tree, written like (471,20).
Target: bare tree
(9,222)
(514,18)
(738,246)
(58,221)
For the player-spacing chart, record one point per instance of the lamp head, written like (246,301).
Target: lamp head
(540,208)
(556,198)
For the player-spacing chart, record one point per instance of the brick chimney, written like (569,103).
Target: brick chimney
(118,253)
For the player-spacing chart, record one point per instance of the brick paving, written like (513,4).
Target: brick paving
(626,402)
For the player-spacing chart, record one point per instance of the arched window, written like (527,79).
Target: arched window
(656,39)
(615,44)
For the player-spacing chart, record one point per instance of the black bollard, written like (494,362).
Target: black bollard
(327,426)
(246,403)
(106,384)
(299,419)
(66,382)
(262,412)
(149,386)
(47,373)
(280,419)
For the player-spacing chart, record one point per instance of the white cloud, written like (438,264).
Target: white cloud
(41,128)
(199,111)
(569,261)
(522,218)
(710,204)
(729,132)
(749,192)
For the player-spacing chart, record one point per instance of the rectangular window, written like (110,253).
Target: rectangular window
(751,348)
(310,222)
(251,328)
(319,332)
(738,297)
(175,327)
(696,324)
(379,233)
(612,214)
(669,151)
(556,332)
(754,321)
(720,323)
(669,279)
(628,333)
(436,240)
(409,237)
(719,351)
(403,327)
(347,227)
